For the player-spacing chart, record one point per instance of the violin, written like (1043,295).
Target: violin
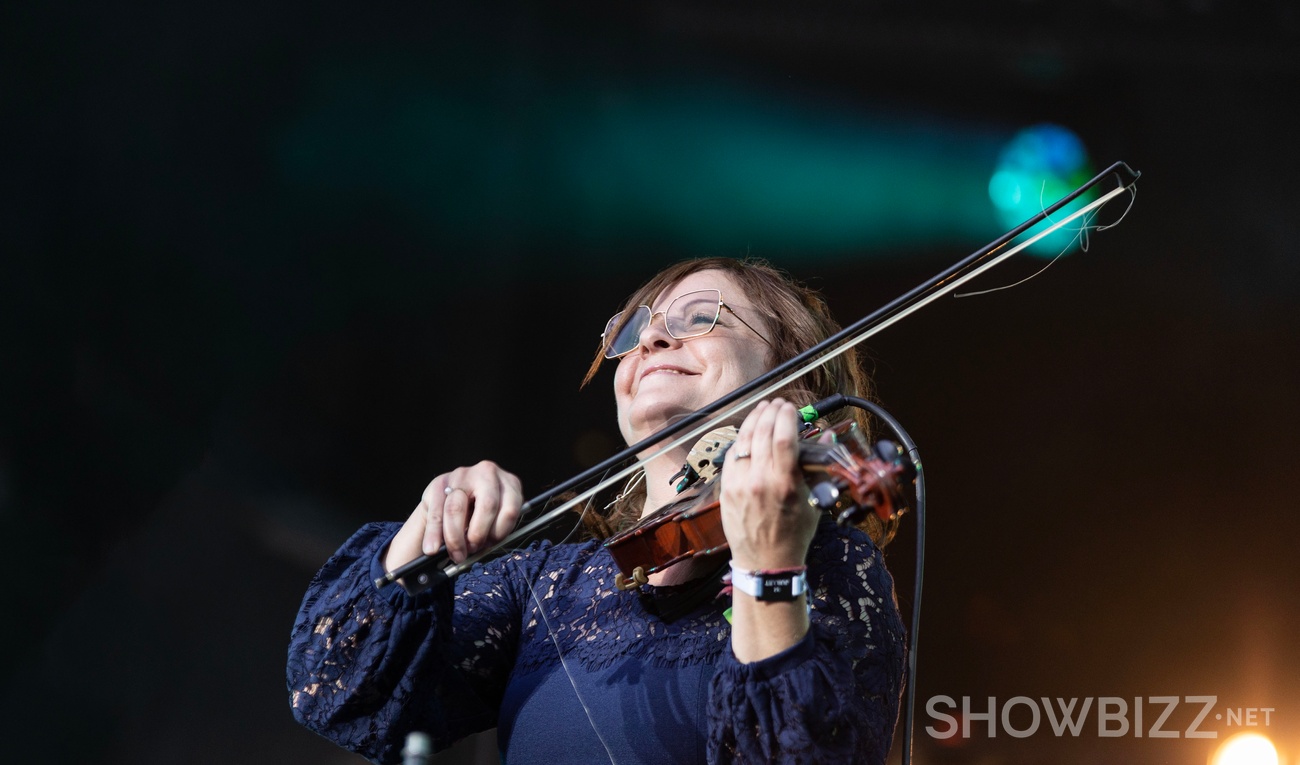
(845,476)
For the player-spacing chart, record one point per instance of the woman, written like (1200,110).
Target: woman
(569,668)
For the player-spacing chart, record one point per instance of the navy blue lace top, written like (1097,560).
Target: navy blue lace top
(543,646)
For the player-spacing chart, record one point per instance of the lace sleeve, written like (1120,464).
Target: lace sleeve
(834,696)
(367,666)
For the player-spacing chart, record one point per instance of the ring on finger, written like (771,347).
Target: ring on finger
(743,455)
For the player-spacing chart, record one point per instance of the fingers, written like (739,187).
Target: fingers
(479,505)
(455,516)
(764,517)
(466,510)
(433,503)
(498,497)
(767,444)
(769,436)
(512,502)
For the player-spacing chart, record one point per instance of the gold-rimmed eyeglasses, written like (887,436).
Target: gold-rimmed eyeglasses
(690,314)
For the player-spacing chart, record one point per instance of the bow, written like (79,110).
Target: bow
(423,571)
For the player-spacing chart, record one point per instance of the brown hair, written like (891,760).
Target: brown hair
(797,319)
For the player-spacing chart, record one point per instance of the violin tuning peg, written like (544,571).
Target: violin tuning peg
(888,450)
(824,495)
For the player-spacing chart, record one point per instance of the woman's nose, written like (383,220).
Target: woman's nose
(655,334)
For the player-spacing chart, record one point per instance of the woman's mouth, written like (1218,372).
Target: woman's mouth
(664,369)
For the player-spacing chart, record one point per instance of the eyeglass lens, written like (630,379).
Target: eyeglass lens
(688,315)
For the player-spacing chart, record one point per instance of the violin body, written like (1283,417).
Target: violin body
(685,529)
(845,476)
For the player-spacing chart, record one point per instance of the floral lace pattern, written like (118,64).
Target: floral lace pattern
(367,666)
(839,700)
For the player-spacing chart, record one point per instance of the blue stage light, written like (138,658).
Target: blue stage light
(1038,166)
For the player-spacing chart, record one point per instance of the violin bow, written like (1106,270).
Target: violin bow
(421,573)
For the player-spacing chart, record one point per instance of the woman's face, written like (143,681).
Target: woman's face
(664,378)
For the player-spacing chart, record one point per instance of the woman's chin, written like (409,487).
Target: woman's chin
(646,421)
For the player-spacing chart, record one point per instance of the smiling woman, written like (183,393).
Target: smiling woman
(676,368)
(541,640)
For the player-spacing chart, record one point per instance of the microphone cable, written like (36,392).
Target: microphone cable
(837,401)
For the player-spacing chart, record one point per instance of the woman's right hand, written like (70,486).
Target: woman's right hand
(467,510)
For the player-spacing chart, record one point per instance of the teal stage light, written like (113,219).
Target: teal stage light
(703,167)
(1037,167)
(666,167)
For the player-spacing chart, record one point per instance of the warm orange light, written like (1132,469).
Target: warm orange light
(1246,749)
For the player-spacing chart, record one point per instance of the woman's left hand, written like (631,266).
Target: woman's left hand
(765,512)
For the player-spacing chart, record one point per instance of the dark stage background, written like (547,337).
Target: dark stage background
(268,269)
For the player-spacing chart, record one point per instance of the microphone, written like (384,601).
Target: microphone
(418,749)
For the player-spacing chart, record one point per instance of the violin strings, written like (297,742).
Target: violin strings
(841,455)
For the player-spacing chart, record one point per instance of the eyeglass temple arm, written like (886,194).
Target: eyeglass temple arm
(732,311)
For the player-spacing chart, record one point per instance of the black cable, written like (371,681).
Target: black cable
(827,405)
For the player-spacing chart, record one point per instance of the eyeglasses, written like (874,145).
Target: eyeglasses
(690,314)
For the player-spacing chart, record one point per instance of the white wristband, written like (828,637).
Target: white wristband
(769,586)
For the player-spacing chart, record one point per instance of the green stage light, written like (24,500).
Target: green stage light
(1037,167)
